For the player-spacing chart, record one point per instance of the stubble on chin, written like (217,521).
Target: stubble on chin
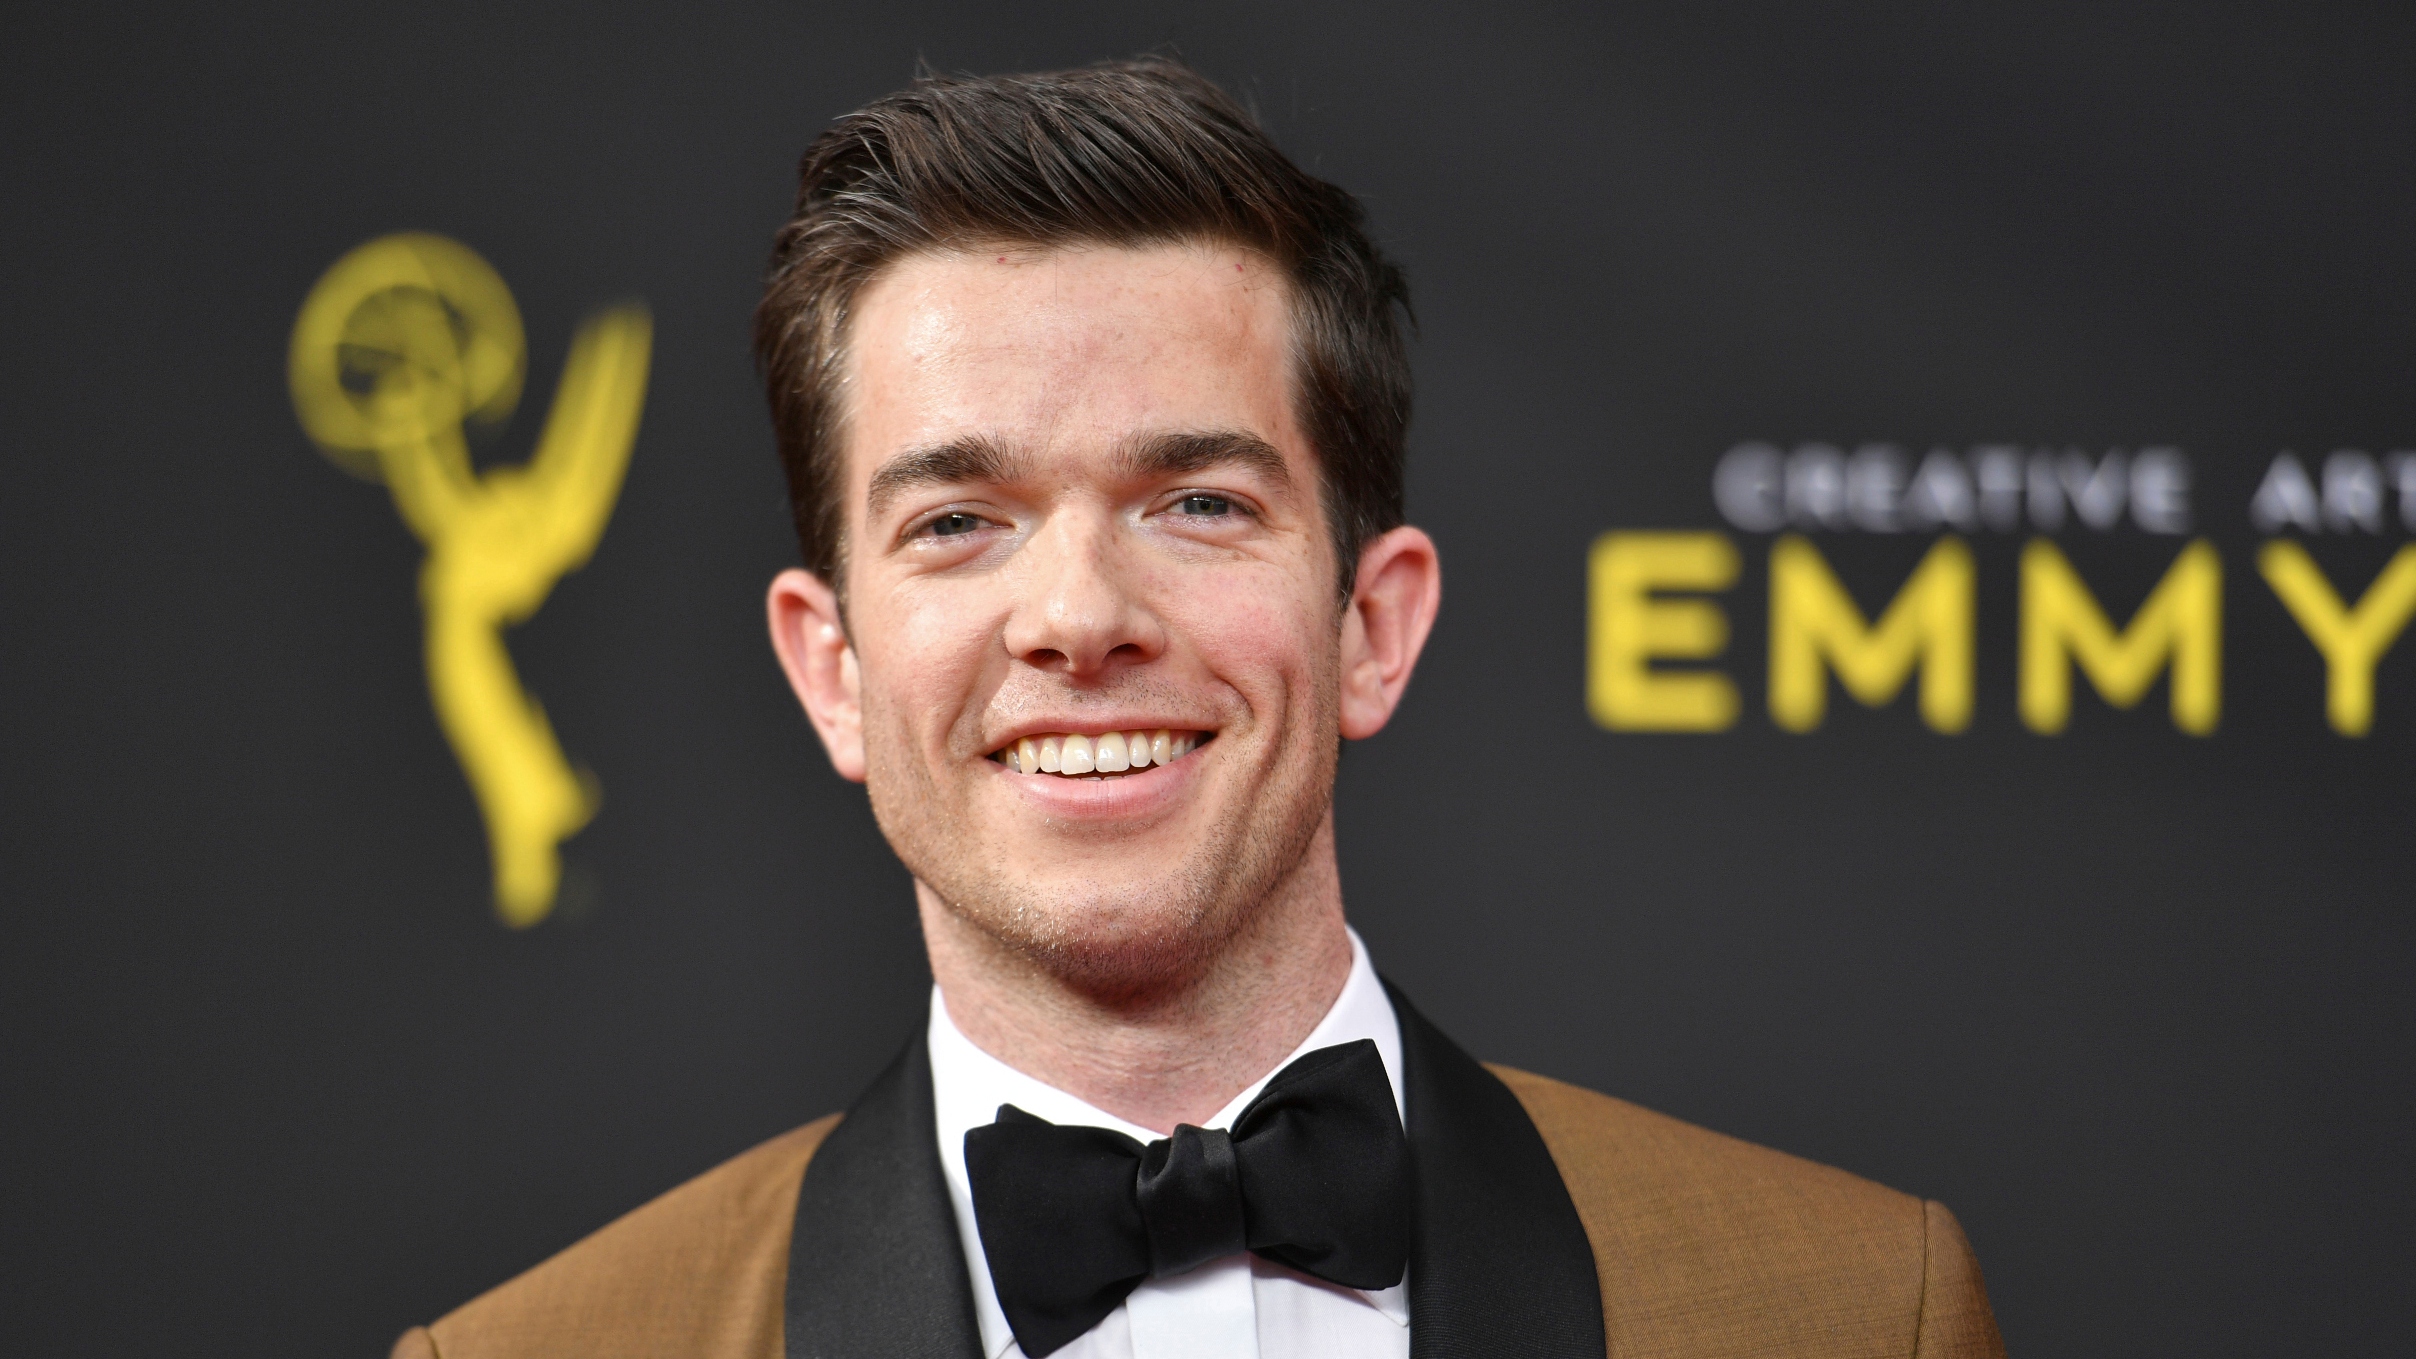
(1114,942)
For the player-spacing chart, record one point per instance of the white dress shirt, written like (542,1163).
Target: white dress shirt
(1240,1307)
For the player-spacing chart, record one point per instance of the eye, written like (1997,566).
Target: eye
(953,523)
(1203,505)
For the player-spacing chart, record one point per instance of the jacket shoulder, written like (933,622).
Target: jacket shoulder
(700,1271)
(1710,1245)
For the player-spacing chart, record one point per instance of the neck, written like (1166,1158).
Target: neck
(1169,1050)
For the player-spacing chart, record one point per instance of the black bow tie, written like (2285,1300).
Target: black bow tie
(1314,1175)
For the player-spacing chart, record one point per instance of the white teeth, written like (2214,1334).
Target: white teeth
(1109,754)
(1074,757)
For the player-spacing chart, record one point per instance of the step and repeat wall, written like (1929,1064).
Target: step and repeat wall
(1928,509)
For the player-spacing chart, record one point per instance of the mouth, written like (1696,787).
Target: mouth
(1102,755)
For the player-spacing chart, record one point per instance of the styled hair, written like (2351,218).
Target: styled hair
(1125,153)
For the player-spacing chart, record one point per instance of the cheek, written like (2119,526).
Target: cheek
(1272,647)
(922,662)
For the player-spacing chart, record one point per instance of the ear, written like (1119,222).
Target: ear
(1392,608)
(811,639)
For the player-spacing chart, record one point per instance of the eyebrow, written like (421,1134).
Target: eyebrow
(968,458)
(977,458)
(1167,455)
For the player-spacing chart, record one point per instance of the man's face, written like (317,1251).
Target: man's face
(1080,508)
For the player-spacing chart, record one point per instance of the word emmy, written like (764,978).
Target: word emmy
(401,344)
(1816,629)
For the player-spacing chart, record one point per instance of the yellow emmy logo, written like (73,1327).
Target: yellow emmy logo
(399,345)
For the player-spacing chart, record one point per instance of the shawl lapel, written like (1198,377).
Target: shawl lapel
(1500,1263)
(876,1269)
(1499,1266)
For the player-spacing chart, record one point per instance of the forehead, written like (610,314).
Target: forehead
(1063,353)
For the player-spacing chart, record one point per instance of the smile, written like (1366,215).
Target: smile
(1072,755)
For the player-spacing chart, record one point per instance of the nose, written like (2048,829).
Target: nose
(1078,610)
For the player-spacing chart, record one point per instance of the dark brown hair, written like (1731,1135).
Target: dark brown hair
(1125,153)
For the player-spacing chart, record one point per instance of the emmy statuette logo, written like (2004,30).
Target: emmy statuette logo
(403,343)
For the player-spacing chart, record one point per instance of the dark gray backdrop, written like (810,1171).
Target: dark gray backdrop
(2135,1005)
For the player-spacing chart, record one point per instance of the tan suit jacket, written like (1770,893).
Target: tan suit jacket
(1704,1245)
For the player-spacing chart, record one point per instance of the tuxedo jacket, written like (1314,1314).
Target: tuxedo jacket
(1550,1222)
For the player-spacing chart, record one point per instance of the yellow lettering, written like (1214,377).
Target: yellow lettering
(1814,626)
(1629,628)
(2351,640)
(400,343)
(2181,624)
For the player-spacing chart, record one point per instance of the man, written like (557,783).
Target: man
(1092,406)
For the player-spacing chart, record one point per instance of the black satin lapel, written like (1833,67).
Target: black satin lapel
(1499,1263)
(876,1269)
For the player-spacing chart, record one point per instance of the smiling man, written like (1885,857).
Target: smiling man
(1092,406)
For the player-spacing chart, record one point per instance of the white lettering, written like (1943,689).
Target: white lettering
(1816,487)
(1998,468)
(1941,493)
(2403,477)
(1761,487)
(1875,487)
(2352,492)
(1749,486)
(2160,483)
(2095,489)
(2286,498)
(2046,497)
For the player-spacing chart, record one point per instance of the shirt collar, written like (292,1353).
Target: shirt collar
(969,1084)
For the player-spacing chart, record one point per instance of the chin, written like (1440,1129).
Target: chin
(1125,921)
(1137,937)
